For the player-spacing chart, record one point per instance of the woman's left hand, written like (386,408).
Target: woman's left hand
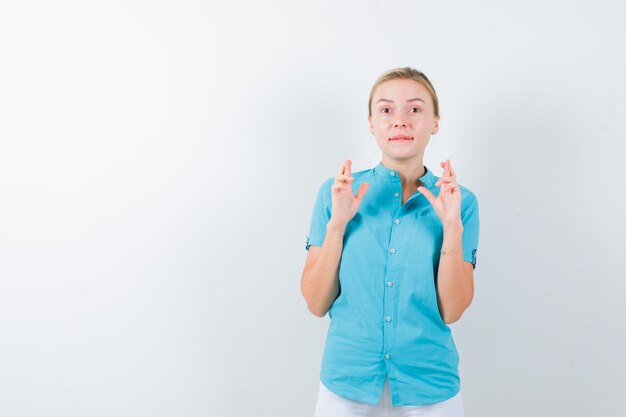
(447,204)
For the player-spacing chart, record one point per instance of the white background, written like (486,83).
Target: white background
(158,166)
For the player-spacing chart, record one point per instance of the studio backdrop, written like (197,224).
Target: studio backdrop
(159,161)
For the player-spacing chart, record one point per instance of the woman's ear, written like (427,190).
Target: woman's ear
(436,126)
(369,121)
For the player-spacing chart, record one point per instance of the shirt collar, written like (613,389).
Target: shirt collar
(428,179)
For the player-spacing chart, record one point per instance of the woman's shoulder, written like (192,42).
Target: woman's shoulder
(469,201)
(466,192)
(363,174)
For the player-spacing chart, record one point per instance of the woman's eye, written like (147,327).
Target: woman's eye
(416,109)
(385,110)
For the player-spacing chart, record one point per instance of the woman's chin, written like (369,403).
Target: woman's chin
(402,156)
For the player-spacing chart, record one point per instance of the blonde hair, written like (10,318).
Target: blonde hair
(409,74)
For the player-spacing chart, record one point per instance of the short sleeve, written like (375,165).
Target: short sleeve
(321,216)
(471,226)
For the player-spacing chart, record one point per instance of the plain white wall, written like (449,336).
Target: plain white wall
(158,166)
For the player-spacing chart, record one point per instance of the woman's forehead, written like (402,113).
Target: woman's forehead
(401,90)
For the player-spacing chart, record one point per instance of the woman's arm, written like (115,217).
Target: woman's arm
(455,277)
(320,277)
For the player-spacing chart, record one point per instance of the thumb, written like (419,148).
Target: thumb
(426,192)
(361,192)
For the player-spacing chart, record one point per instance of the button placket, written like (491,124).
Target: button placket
(390,298)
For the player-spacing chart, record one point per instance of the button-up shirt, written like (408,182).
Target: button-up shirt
(385,321)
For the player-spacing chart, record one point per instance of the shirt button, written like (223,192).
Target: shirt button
(387,356)
(393,174)
(396,194)
(397,221)
(389,284)
(387,319)
(392,250)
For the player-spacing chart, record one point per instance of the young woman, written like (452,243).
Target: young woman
(391,258)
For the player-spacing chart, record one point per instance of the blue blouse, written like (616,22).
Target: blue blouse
(385,321)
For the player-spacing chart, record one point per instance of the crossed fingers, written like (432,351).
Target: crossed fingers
(344,177)
(448,179)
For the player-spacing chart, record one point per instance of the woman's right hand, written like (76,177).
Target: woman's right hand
(344,203)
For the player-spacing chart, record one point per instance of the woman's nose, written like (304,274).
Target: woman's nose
(400,123)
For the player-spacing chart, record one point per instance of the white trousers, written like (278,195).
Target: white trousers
(330,404)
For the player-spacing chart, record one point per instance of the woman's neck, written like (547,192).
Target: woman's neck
(410,171)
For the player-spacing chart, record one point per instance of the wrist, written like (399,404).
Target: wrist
(452,238)
(452,228)
(334,227)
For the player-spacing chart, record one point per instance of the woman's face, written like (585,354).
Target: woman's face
(402,118)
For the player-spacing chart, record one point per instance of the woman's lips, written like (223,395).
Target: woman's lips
(401,138)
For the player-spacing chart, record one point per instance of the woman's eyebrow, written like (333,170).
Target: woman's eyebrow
(408,101)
